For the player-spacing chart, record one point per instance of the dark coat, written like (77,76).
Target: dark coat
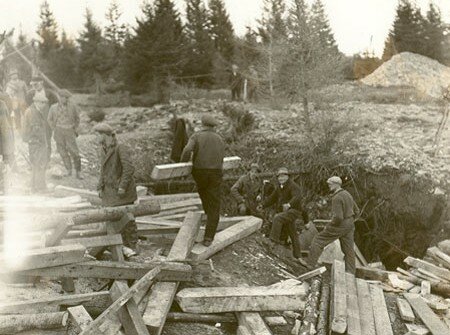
(117,172)
(6,132)
(208,150)
(35,127)
(180,139)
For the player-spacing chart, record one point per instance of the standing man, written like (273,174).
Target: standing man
(35,133)
(236,81)
(17,91)
(246,191)
(287,198)
(208,150)
(64,120)
(116,186)
(341,227)
(253,82)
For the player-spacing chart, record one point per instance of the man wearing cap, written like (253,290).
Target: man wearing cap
(207,149)
(287,198)
(116,186)
(64,120)
(246,191)
(341,227)
(17,91)
(35,130)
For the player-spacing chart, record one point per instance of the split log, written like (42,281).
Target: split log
(201,318)
(180,204)
(365,307)
(96,241)
(405,310)
(99,325)
(353,309)
(240,299)
(338,307)
(170,271)
(175,170)
(380,313)
(431,320)
(322,322)
(254,323)
(12,324)
(91,196)
(308,326)
(43,258)
(226,237)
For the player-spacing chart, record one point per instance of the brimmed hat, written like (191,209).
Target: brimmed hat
(282,170)
(209,120)
(104,128)
(334,180)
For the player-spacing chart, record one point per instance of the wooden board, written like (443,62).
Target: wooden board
(162,294)
(439,256)
(180,204)
(365,308)
(313,273)
(115,270)
(226,237)
(129,315)
(254,323)
(79,317)
(333,252)
(241,299)
(59,232)
(437,271)
(405,310)
(380,312)
(45,257)
(31,306)
(174,170)
(338,308)
(353,309)
(97,241)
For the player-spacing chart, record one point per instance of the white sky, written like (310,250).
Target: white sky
(358,25)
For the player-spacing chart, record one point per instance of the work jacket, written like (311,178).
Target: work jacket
(247,189)
(208,150)
(117,171)
(343,206)
(35,128)
(65,117)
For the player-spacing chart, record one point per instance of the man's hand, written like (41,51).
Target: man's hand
(286,207)
(121,192)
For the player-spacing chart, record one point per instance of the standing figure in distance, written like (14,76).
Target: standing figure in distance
(236,82)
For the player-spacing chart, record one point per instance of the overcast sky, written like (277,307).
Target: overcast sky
(358,25)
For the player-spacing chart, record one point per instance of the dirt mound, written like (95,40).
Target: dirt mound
(408,69)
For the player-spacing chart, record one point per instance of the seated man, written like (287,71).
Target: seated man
(247,190)
(287,197)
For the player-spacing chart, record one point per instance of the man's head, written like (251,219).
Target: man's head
(40,100)
(254,169)
(208,121)
(334,183)
(37,83)
(64,96)
(282,175)
(106,135)
(14,75)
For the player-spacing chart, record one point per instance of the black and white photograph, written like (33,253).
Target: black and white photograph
(222,167)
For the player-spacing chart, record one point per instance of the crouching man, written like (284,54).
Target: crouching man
(247,190)
(116,186)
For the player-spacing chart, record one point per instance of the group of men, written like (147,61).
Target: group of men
(39,114)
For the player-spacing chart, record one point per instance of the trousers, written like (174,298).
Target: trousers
(39,159)
(66,144)
(284,224)
(208,183)
(345,233)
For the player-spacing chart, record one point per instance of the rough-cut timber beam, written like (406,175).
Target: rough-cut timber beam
(338,307)
(12,324)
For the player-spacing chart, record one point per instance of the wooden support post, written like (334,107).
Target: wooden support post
(365,307)
(129,314)
(338,309)
(380,312)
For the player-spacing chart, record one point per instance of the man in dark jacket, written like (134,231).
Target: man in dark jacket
(116,186)
(287,198)
(64,120)
(247,190)
(208,150)
(236,82)
(341,227)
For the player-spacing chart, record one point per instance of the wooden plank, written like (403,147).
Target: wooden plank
(353,317)
(226,237)
(365,307)
(59,232)
(174,170)
(241,299)
(360,256)
(241,330)
(439,256)
(437,271)
(431,320)
(97,241)
(416,329)
(180,204)
(199,318)
(338,315)
(254,323)
(162,294)
(31,306)
(398,283)
(405,310)
(311,274)
(95,327)
(170,271)
(79,317)
(166,198)
(380,312)
(129,315)
(42,258)
(224,224)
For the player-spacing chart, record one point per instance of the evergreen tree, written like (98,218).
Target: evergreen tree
(65,63)
(320,26)
(221,29)
(434,33)
(47,31)
(115,32)
(407,28)
(273,23)
(389,49)
(201,46)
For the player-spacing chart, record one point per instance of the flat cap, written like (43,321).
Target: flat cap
(282,170)
(334,180)
(64,93)
(209,120)
(104,128)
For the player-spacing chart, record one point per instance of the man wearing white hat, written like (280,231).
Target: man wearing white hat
(341,227)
